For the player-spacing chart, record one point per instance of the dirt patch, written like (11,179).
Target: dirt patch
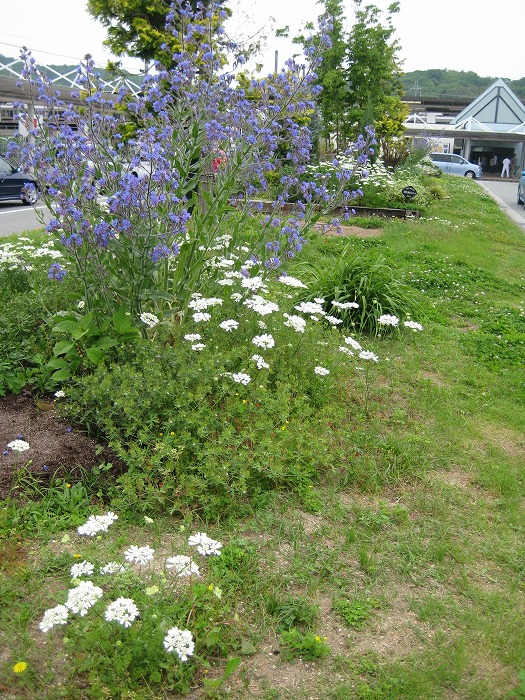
(504,439)
(54,446)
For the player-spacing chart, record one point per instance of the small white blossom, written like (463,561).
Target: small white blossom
(321,371)
(113,567)
(388,320)
(319,300)
(253,283)
(201,304)
(179,641)
(82,597)
(353,343)
(264,341)
(296,322)
(346,351)
(198,346)
(412,324)
(309,307)
(60,394)
(367,355)
(290,281)
(229,325)
(345,305)
(182,566)
(236,297)
(54,616)
(260,305)
(83,568)
(149,319)
(241,378)
(81,305)
(122,610)
(192,336)
(18,445)
(260,362)
(205,545)
(333,320)
(199,316)
(139,555)
(97,523)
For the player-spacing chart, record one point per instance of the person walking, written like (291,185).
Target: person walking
(506,166)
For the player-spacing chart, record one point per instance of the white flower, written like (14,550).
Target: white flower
(290,281)
(83,568)
(97,523)
(229,325)
(353,343)
(179,641)
(201,304)
(296,322)
(182,566)
(321,371)
(319,300)
(388,320)
(149,319)
(60,394)
(346,351)
(198,346)
(81,305)
(412,324)
(82,597)
(205,545)
(192,336)
(148,520)
(367,355)
(262,325)
(241,378)
(201,316)
(54,616)
(122,610)
(18,445)
(253,283)
(139,555)
(226,282)
(333,320)
(260,305)
(345,305)
(113,567)
(236,296)
(259,361)
(264,341)
(308,307)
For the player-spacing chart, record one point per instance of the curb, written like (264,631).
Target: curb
(512,215)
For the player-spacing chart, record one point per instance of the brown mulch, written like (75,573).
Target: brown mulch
(54,446)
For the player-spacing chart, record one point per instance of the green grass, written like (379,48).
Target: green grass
(408,552)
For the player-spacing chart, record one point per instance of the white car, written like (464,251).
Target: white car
(453,164)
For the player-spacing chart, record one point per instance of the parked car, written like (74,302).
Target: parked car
(13,184)
(453,164)
(521,189)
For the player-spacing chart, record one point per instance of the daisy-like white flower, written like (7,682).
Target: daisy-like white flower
(264,341)
(83,597)
(319,300)
(236,296)
(18,445)
(290,281)
(198,346)
(182,566)
(81,305)
(122,610)
(179,641)
(296,322)
(333,320)
(260,305)
(229,325)
(260,362)
(201,304)
(83,568)
(54,616)
(149,319)
(321,371)
(241,378)
(201,316)
(192,336)
(346,350)
(353,343)
(139,555)
(388,320)
(96,524)
(113,567)
(309,307)
(412,324)
(227,282)
(60,394)
(367,355)
(345,305)
(205,545)
(253,283)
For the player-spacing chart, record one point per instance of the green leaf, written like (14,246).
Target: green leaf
(58,363)
(106,342)
(95,355)
(61,375)
(247,648)
(65,327)
(231,667)
(62,347)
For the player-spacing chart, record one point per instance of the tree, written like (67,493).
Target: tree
(374,73)
(137,28)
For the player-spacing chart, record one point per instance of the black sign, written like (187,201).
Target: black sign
(409,192)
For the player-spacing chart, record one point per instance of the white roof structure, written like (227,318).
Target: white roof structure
(497,109)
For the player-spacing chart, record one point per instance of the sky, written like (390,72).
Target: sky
(484,36)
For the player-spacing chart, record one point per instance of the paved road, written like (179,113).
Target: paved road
(18,218)
(505,194)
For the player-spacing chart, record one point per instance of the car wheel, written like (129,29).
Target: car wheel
(471,174)
(520,200)
(30,198)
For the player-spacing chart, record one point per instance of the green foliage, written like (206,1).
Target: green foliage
(500,341)
(366,279)
(303,645)
(293,613)
(355,612)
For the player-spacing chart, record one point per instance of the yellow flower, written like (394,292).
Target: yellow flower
(20,667)
(210,587)
(68,486)
(77,556)
(318,638)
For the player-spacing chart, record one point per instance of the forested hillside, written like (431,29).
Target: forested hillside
(437,81)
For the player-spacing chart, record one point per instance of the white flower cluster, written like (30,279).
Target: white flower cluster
(261,306)
(204,544)
(139,555)
(296,322)
(265,341)
(368,355)
(149,319)
(290,281)
(18,445)
(260,362)
(310,307)
(122,610)
(241,378)
(199,303)
(83,568)
(179,641)
(113,567)
(321,371)
(96,524)
(413,325)
(83,597)
(54,616)
(229,325)
(345,305)
(182,565)
(388,320)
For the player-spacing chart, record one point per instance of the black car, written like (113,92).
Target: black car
(13,184)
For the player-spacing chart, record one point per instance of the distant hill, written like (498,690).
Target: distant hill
(453,83)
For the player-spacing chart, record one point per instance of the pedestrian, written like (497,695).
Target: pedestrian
(506,166)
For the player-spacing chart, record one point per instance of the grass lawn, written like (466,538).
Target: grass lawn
(399,574)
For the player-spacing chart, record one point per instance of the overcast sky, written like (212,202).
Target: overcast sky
(484,36)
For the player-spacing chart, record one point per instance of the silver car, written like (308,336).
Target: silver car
(521,189)
(453,164)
